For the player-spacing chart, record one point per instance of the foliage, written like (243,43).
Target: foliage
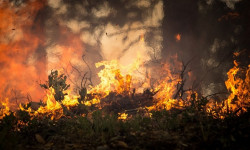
(58,83)
(190,128)
(82,93)
(88,127)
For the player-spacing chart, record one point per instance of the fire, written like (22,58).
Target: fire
(112,79)
(142,38)
(122,116)
(239,98)
(166,88)
(92,102)
(108,77)
(52,107)
(239,88)
(20,36)
(4,108)
(20,63)
(166,91)
(178,37)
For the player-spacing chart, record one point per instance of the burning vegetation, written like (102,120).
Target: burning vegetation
(116,100)
(139,104)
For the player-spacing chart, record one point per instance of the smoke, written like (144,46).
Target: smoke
(20,39)
(211,31)
(231,3)
(71,36)
(104,30)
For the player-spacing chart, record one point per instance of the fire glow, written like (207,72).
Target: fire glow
(112,80)
(23,68)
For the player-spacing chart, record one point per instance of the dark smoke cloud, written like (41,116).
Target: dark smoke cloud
(66,30)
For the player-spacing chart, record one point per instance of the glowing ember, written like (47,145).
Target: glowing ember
(142,38)
(178,37)
(92,102)
(4,108)
(122,116)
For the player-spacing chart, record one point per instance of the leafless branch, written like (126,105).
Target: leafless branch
(83,79)
(180,86)
(90,72)
(133,29)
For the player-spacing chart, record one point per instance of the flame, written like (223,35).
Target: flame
(52,108)
(239,88)
(122,116)
(239,98)
(112,79)
(20,37)
(25,54)
(92,101)
(142,38)
(4,109)
(166,88)
(178,37)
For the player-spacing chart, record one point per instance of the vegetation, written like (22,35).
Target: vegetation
(58,83)
(189,128)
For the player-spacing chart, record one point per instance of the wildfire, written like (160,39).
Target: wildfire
(165,93)
(239,98)
(239,88)
(4,108)
(113,80)
(22,67)
(53,108)
(20,36)
(92,102)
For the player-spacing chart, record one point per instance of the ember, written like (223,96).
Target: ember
(178,37)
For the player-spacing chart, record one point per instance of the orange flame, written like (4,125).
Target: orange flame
(112,79)
(122,116)
(4,109)
(239,98)
(18,42)
(178,37)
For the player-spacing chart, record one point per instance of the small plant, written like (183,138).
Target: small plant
(82,93)
(58,83)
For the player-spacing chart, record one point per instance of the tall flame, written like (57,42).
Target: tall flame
(112,79)
(239,88)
